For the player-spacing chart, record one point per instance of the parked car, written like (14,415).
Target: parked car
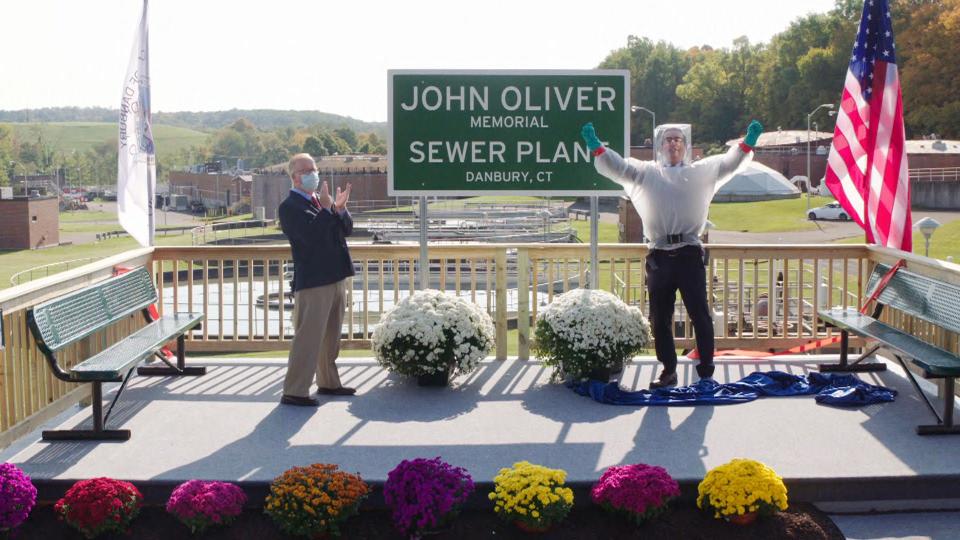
(830,211)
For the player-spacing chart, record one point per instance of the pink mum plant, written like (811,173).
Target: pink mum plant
(640,491)
(199,504)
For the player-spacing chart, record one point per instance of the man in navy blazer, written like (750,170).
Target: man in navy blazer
(316,225)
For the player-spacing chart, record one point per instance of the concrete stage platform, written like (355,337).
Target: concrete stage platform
(229,425)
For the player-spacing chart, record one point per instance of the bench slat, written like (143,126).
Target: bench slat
(934,360)
(111,363)
(62,321)
(927,298)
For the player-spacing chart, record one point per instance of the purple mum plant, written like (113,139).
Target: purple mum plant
(640,491)
(199,504)
(425,494)
(17,496)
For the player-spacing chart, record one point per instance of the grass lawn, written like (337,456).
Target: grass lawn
(13,261)
(765,216)
(944,242)
(88,221)
(84,227)
(608,232)
(82,136)
(84,216)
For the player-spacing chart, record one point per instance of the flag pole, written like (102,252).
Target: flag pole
(151,198)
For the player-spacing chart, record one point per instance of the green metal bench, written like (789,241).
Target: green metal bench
(58,323)
(922,297)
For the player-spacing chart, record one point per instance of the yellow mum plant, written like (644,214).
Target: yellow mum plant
(532,496)
(740,487)
(314,500)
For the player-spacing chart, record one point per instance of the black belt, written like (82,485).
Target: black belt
(674,238)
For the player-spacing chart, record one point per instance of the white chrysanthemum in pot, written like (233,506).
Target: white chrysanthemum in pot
(584,330)
(430,332)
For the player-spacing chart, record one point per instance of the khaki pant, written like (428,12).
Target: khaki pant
(317,323)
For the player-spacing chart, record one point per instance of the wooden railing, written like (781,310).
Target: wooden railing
(245,291)
(762,297)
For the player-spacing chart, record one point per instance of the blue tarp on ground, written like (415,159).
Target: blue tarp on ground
(840,389)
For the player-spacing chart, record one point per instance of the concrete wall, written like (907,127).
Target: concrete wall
(211,189)
(269,190)
(935,195)
(29,223)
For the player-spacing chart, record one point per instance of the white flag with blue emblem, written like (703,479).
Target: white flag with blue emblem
(136,164)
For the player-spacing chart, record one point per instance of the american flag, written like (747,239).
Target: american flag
(867,166)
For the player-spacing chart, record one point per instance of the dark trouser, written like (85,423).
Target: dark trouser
(668,271)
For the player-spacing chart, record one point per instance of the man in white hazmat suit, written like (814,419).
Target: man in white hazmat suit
(672,196)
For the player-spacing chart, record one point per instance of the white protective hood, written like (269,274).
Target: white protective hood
(660,134)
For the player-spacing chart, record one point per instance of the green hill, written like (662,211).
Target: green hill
(265,119)
(82,136)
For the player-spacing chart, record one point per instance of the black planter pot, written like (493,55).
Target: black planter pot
(617,367)
(600,374)
(441,378)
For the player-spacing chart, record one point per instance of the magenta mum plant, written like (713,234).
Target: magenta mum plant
(17,497)
(640,491)
(425,494)
(199,504)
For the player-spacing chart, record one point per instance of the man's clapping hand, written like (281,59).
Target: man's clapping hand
(342,198)
(324,197)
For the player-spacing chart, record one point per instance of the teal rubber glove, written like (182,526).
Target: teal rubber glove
(753,133)
(590,136)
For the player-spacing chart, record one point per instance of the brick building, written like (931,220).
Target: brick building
(29,223)
(367,175)
(213,190)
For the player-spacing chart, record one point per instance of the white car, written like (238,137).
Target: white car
(830,211)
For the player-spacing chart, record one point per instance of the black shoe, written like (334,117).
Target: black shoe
(341,391)
(666,380)
(299,401)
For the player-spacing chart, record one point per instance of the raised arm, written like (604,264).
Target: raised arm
(628,172)
(739,154)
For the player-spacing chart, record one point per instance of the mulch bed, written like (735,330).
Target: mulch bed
(800,522)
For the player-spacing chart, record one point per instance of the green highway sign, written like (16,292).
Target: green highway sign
(482,132)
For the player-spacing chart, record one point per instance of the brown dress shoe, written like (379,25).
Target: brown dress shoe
(666,380)
(299,401)
(341,391)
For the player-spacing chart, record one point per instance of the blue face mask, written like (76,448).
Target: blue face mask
(310,181)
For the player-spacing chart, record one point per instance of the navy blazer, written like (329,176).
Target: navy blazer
(318,239)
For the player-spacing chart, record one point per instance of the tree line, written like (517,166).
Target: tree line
(241,140)
(268,119)
(719,90)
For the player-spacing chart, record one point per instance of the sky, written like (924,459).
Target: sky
(333,56)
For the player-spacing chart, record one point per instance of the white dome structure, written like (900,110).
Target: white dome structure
(756,182)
